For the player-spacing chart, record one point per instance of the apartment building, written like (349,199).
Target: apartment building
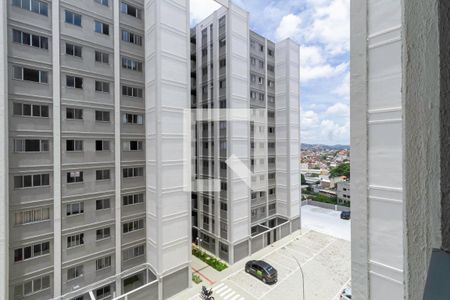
(89,203)
(234,69)
(343,192)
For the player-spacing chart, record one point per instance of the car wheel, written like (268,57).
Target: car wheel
(247,270)
(264,280)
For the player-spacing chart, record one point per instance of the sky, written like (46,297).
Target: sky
(322,28)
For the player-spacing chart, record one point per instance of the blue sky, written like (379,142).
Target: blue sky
(322,28)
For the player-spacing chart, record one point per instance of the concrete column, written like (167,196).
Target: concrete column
(421,111)
(358,109)
(117,147)
(287,127)
(238,132)
(4,168)
(56,75)
(167,95)
(444,45)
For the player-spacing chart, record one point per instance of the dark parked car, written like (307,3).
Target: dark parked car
(262,270)
(345,215)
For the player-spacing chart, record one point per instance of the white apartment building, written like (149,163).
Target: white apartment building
(233,69)
(90,95)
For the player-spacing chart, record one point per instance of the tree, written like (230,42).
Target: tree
(303,181)
(341,170)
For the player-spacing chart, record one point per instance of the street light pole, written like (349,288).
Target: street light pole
(303,277)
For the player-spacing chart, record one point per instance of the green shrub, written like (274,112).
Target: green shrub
(210,260)
(196,278)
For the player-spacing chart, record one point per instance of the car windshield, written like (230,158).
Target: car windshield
(269,269)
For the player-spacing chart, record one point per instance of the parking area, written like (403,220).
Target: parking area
(325,221)
(325,261)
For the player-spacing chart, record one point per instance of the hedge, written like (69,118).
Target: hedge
(210,260)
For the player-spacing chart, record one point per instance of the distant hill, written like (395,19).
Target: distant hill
(323,147)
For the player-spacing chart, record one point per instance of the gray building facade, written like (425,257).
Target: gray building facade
(83,177)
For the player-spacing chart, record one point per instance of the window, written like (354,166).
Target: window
(253,78)
(32,215)
(131,37)
(101,27)
(102,145)
(222,84)
(31,251)
(131,64)
(103,292)
(132,172)
(73,50)
(133,119)
(32,286)
(271,99)
(30,74)
(30,39)
(102,86)
(127,9)
(271,68)
(102,116)
(261,64)
(132,91)
(75,240)
(74,113)
(261,97)
(261,48)
(133,146)
(133,226)
(133,252)
(103,233)
(73,177)
(30,110)
(74,272)
(102,174)
(103,2)
(74,145)
(33,5)
(103,263)
(72,18)
(31,145)
(222,42)
(102,57)
(27,181)
(76,208)
(253,95)
(74,82)
(270,52)
(270,83)
(103,203)
(133,199)
(260,80)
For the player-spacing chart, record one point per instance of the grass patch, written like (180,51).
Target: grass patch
(196,279)
(210,260)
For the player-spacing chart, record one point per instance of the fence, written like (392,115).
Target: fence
(326,205)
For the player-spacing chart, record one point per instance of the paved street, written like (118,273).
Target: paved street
(325,261)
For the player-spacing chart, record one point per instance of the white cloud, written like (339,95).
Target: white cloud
(338,110)
(330,25)
(309,119)
(289,27)
(200,9)
(335,133)
(343,89)
(321,71)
